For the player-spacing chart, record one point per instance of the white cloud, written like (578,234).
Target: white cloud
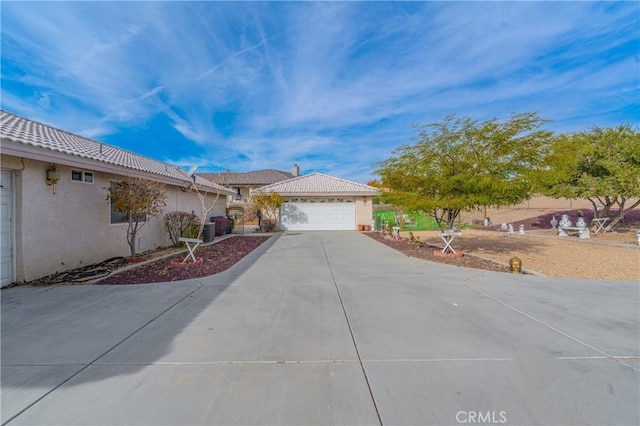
(332,85)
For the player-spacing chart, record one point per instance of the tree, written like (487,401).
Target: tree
(139,199)
(375,183)
(202,194)
(269,205)
(601,165)
(460,163)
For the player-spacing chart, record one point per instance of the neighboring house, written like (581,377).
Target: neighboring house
(54,213)
(321,202)
(244,183)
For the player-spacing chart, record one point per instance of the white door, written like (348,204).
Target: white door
(318,216)
(6,228)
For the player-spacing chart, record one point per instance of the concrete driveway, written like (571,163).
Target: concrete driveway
(324,328)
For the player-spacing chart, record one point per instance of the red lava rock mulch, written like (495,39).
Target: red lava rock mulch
(426,252)
(631,219)
(217,257)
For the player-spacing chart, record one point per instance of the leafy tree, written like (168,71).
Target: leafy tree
(601,165)
(460,164)
(269,204)
(139,199)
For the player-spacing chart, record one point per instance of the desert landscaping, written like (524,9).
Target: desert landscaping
(605,256)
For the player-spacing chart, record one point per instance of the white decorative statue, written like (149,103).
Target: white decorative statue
(564,221)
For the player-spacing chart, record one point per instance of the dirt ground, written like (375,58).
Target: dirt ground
(610,256)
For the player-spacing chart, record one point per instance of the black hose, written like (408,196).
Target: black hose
(84,273)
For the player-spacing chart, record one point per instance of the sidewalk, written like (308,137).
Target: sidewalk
(324,328)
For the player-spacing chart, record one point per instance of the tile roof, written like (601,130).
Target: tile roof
(32,133)
(319,184)
(260,177)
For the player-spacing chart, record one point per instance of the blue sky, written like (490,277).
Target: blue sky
(331,86)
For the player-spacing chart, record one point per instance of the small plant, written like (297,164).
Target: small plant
(268,225)
(181,224)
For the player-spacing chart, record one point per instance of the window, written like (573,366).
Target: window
(118,217)
(81,176)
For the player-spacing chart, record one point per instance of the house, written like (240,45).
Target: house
(54,213)
(244,183)
(322,202)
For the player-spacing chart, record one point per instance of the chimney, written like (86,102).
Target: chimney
(295,170)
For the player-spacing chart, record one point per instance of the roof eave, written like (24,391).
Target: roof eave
(325,194)
(26,150)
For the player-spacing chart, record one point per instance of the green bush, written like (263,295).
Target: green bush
(181,224)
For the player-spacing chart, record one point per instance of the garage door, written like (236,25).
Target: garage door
(318,216)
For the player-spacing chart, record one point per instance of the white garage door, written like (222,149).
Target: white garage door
(6,228)
(318,216)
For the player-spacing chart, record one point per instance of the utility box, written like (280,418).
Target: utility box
(209,232)
(222,224)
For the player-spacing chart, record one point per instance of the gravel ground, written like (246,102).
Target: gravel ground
(613,256)
(610,256)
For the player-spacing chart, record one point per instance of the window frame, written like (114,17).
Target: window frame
(83,175)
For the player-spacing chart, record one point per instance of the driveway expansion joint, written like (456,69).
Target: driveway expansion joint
(87,365)
(557,330)
(353,337)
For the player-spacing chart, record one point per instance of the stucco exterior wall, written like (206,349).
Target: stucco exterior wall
(542,202)
(71,228)
(364,211)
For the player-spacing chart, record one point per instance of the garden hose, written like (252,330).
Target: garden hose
(84,273)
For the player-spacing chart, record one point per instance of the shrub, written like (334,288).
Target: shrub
(181,224)
(269,225)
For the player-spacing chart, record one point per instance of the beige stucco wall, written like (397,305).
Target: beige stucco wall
(364,211)
(71,228)
(542,202)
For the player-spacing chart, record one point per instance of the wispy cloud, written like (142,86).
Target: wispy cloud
(332,86)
